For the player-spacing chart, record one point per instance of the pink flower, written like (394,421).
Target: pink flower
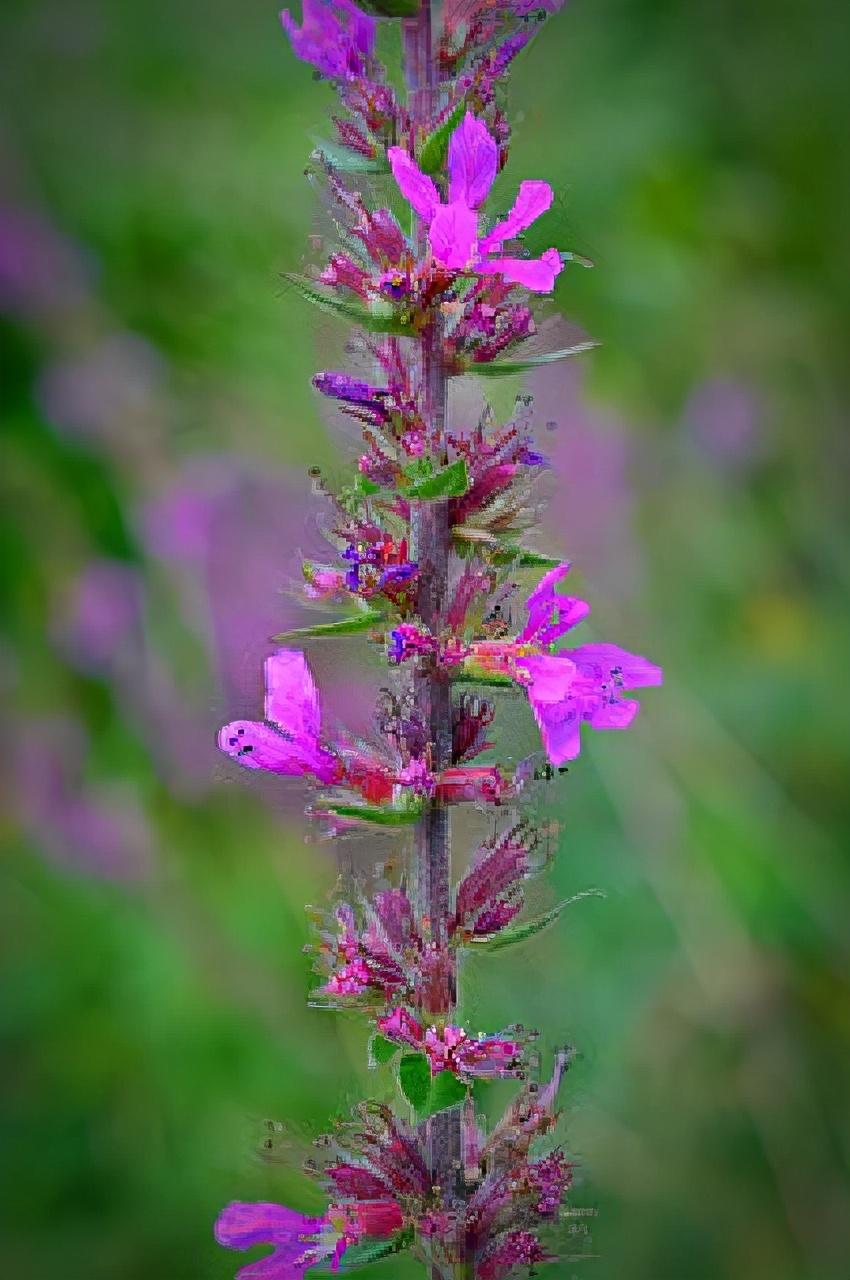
(290,744)
(573,685)
(449,1048)
(336,37)
(453,226)
(299,1242)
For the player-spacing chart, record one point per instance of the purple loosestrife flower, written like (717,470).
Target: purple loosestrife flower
(574,685)
(450,1048)
(514,1249)
(453,227)
(300,1242)
(336,37)
(292,705)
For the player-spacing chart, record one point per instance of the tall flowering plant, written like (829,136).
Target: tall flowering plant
(425,542)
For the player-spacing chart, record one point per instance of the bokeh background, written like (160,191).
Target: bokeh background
(158,424)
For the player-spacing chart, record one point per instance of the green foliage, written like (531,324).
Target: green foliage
(509,368)
(358,622)
(450,482)
(432,156)
(381,817)
(523,558)
(446,1091)
(428,1093)
(379,318)
(360,1255)
(414,1079)
(381,1049)
(344,160)
(514,933)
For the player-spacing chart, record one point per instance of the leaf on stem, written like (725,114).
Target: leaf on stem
(432,154)
(414,1079)
(346,161)
(505,368)
(450,482)
(380,318)
(528,928)
(343,627)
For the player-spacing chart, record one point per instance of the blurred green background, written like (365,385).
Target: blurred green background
(157,425)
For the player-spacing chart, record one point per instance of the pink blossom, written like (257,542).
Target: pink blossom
(290,744)
(336,37)
(450,1048)
(453,226)
(573,685)
(300,1242)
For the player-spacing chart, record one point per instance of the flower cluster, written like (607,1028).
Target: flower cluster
(425,559)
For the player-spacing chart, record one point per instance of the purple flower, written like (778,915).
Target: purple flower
(335,36)
(515,1249)
(296,1239)
(293,745)
(487,895)
(574,685)
(450,1048)
(453,227)
(583,684)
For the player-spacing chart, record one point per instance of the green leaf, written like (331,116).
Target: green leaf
(390,8)
(504,368)
(525,559)
(469,675)
(381,1049)
(446,1091)
(386,817)
(360,1255)
(451,482)
(343,627)
(414,1078)
(347,161)
(380,318)
(432,154)
(363,485)
(519,932)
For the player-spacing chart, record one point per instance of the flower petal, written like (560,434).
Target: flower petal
(416,187)
(533,199)
(608,662)
(453,235)
(292,700)
(616,714)
(559,724)
(241,1225)
(537,274)
(551,676)
(473,161)
(255,745)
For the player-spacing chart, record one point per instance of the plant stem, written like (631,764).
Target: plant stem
(431,549)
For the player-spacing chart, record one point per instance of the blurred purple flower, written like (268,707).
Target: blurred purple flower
(100,828)
(592,456)
(40,270)
(108,394)
(722,420)
(233,528)
(104,614)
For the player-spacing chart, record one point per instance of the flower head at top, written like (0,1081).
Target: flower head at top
(335,37)
(453,227)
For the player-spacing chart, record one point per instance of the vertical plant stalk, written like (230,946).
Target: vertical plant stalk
(430,531)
